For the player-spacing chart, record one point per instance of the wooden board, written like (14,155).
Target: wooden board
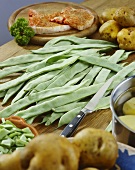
(48,8)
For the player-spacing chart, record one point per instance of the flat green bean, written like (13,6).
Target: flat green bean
(126,55)
(57,101)
(74,96)
(34,82)
(45,118)
(103,103)
(87,52)
(68,107)
(78,77)
(92,74)
(44,85)
(31,120)
(68,116)
(69,74)
(53,117)
(21,59)
(101,62)
(13,69)
(73,111)
(26,101)
(54,49)
(123,73)
(27,76)
(50,59)
(77,40)
(10,92)
(91,50)
(2,93)
(109,127)
(63,43)
(103,74)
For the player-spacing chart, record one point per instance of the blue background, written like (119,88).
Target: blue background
(7,7)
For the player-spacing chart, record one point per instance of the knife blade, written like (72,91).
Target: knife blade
(89,108)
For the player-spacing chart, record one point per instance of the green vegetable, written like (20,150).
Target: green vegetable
(12,138)
(60,78)
(10,92)
(21,31)
(26,101)
(33,82)
(76,40)
(23,59)
(53,117)
(103,74)
(43,85)
(27,76)
(68,116)
(101,62)
(70,106)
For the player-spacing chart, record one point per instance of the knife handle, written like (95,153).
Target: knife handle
(71,127)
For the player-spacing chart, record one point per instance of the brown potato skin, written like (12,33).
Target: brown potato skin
(98,148)
(126,38)
(44,152)
(125,16)
(50,151)
(107,14)
(109,30)
(10,161)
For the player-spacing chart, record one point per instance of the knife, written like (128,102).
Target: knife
(89,108)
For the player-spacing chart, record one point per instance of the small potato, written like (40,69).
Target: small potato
(109,30)
(10,161)
(125,16)
(128,120)
(129,107)
(126,38)
(98,148)
(107,14)
(50,152)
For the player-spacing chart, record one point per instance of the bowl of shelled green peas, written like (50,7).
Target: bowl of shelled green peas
(15,133)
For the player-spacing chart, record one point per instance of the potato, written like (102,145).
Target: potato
(126,38)
(109,30)
(128,120)
(10,161)
(125,16)
(46,151)
(98,148)
(50,152)
(129,107)
(107,14)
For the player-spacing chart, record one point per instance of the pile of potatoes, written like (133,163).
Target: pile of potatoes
(118,25)
(89,149)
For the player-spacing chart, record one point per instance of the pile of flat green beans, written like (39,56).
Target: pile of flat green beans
(56,81)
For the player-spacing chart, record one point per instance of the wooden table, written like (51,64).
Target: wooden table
(99,119)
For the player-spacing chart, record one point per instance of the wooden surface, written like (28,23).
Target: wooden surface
(49,8)
(98,119)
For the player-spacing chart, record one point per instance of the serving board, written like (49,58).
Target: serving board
(48,8)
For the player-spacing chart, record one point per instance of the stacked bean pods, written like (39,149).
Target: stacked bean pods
(57,80)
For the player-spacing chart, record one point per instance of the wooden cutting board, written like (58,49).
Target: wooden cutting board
(48,8)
